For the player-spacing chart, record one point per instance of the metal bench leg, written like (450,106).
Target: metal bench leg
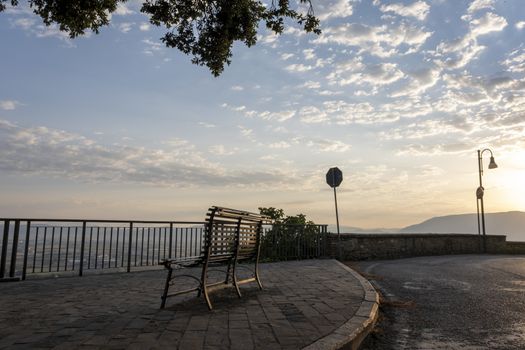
(228,272)
(204,286)
(166,288)
(234,278)
(202,282)
(207,297)
(257,274)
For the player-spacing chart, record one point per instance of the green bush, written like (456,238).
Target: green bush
(291,237)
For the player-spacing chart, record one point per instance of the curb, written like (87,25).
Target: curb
(354,331)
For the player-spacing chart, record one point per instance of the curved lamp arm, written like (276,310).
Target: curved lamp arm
(492,163)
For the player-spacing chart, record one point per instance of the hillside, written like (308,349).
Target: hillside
(510,223)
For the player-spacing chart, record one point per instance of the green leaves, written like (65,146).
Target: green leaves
(75,16)
(207,29)
(3,2)
(203,29)
(277,215)
(291,237)
(273,213)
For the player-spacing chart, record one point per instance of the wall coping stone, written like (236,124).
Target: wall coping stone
(413,235)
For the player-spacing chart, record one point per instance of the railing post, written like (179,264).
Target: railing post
(5,240)
(171,240)
(129,245)
(318,239)
(299,236)
(26,250)
(325,240)
(14,250)
(82,248)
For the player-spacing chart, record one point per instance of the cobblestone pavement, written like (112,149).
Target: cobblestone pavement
(301,302)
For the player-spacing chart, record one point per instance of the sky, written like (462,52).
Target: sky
(398,94)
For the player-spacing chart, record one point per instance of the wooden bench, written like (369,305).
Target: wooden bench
(230,236)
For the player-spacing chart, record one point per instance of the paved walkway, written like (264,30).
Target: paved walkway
(316,303)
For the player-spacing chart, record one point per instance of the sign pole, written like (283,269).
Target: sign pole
(337,221)
(334,177)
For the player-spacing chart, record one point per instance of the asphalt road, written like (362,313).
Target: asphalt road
(449,302)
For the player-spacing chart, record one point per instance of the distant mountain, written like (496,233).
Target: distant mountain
(511,224)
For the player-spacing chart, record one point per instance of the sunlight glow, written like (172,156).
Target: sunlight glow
(509,182)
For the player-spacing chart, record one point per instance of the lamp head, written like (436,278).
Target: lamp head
(492,164)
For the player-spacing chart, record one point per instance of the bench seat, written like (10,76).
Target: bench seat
(231,236)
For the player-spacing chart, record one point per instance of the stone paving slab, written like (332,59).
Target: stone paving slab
(302,303)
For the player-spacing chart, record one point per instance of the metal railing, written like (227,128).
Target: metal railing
(294,242)
(35,246)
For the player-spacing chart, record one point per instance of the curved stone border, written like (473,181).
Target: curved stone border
(352,332)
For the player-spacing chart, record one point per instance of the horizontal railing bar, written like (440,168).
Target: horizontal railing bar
(107,221)
(142,222)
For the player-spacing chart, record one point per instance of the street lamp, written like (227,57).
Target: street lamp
(481,191)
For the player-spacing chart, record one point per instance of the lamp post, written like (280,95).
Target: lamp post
(481,191)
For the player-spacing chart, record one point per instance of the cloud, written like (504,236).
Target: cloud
(520,25)
(515,61)
(418,9)
(419,150)
(460,52)
(269,39)
(152,47)
(8,105)
(424,129)
(298,67)
(312,114)
(177,142)
(279,145)
(123,10)
(6,125)
(490,90)
(25,23)
(60,154)
(279,116)
(310,85)
(382,41)
(329,9)
(267,157)
(237,88)
(144,27)
(207,125)
(329,145)
(309,54)
(30,25)
(460,57)
(125,27)
(246,132)
(468,111)
(366,113)
(490,22)
(294,32)
(420,81)
(221,150)
(477,5)
(329,93)
(347,73)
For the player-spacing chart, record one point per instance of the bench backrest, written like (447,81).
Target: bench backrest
(232,234)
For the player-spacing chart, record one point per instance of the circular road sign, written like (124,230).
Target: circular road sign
(334,177)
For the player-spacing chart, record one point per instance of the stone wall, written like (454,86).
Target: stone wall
(515,248)
(394,246)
